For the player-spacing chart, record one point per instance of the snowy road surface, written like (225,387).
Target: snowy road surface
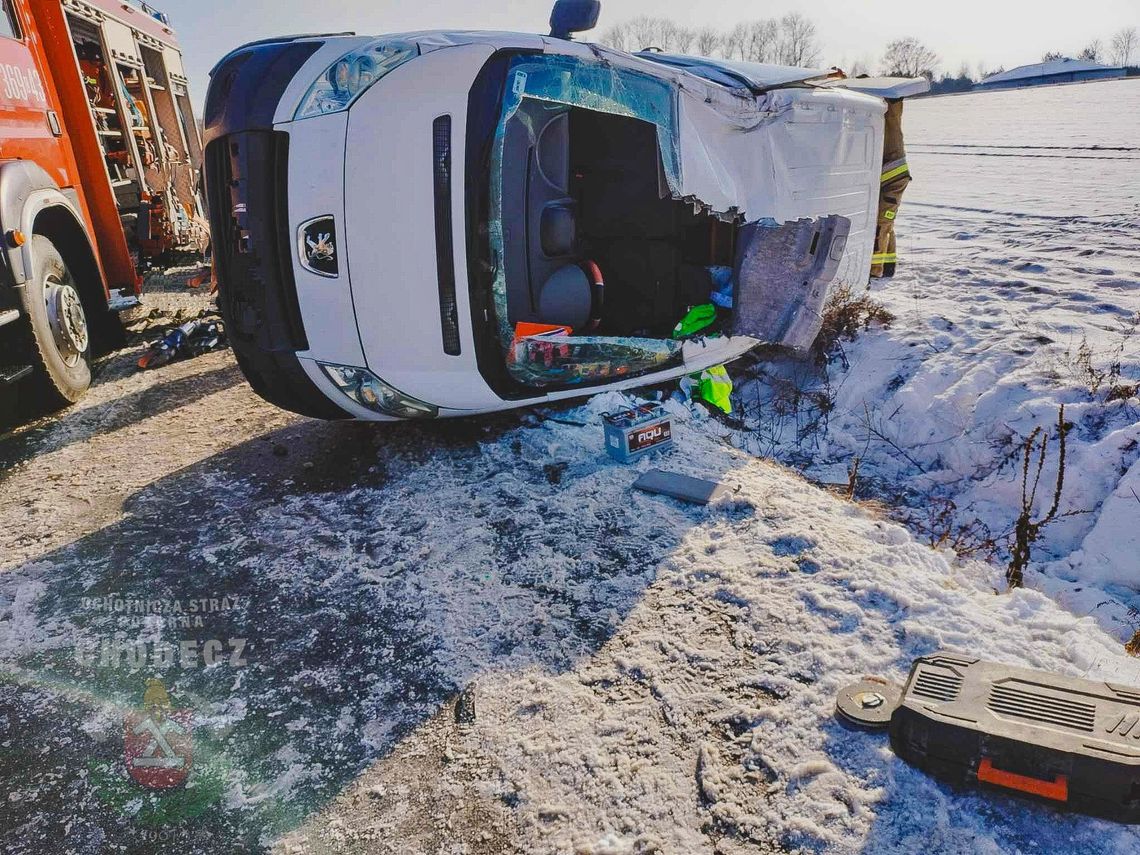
(645,676)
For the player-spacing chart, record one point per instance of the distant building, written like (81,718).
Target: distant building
(1055,71)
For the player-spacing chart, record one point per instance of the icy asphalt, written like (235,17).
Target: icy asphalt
(645,676)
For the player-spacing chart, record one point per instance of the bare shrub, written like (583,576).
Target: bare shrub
(790,409)
(1132,648)
(1094,370)
(1027,530)
(937,522)
(845,316)
(1083,369)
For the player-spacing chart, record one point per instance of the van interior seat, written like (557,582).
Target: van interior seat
(567,299)
(558,230)
(540,220)
(581,184)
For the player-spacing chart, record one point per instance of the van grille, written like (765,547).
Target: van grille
(246,185)
(1032,706)
(444,238)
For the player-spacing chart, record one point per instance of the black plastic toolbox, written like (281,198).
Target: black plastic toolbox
(1072,743)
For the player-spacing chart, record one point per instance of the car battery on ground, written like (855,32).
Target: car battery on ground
(632,434)
(1068,742)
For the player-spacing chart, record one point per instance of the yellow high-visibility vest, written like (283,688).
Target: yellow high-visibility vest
(716,388)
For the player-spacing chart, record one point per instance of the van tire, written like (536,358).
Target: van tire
(60,346)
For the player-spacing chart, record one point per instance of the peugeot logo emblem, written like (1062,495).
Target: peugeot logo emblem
(317,247)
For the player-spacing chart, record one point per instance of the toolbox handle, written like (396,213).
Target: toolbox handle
(1057,789)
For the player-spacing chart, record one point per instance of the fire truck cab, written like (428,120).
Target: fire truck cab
(100,159)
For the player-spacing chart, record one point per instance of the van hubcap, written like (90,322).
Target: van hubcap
(67,319)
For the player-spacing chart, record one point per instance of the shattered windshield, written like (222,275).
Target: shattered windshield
(537,89)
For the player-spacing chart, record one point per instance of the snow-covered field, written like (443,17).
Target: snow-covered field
(1018,291)
(646,676)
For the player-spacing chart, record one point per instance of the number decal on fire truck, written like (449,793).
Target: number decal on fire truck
(22,84)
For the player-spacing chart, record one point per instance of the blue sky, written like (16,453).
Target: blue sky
(993,32)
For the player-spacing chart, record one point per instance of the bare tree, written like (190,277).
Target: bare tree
(1052,56)
(798,42)
(1091,52)
(761,42)
(734,41)
(857,67)
(791,40)
(666,35)
(645,32)
(616,37)
(707,41)
(910,58)
(683,39)
(1123,45)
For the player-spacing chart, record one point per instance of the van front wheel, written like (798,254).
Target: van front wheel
(61,338)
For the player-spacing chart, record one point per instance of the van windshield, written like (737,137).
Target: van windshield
(583,167)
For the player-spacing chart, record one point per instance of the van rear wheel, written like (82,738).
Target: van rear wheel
(61,338)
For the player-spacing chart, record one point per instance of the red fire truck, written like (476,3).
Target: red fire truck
(100,159)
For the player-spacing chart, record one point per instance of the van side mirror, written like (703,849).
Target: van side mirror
(574,16)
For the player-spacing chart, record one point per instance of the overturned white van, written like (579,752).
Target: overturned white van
(442,224)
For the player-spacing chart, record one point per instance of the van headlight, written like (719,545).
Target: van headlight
(368,390)
(347,79)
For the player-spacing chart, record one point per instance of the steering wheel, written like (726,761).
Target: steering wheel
(597,292)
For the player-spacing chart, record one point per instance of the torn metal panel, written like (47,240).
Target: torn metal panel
(783,277)
(805,144)
(808,156)
(757,77)
(881,87)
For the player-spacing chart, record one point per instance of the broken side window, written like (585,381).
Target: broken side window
(533,214)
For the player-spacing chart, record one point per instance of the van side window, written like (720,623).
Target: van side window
(9,28)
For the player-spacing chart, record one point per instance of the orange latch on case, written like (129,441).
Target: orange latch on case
(1057,790)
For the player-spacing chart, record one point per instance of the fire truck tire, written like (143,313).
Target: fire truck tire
(61,338)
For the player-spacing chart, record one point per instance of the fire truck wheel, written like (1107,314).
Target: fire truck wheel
(61,339)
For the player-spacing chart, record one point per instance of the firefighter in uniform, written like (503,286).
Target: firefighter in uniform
(894,180)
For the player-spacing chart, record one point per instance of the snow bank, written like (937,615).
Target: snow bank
(1018,291)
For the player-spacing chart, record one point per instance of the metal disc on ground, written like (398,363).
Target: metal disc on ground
(869,703)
